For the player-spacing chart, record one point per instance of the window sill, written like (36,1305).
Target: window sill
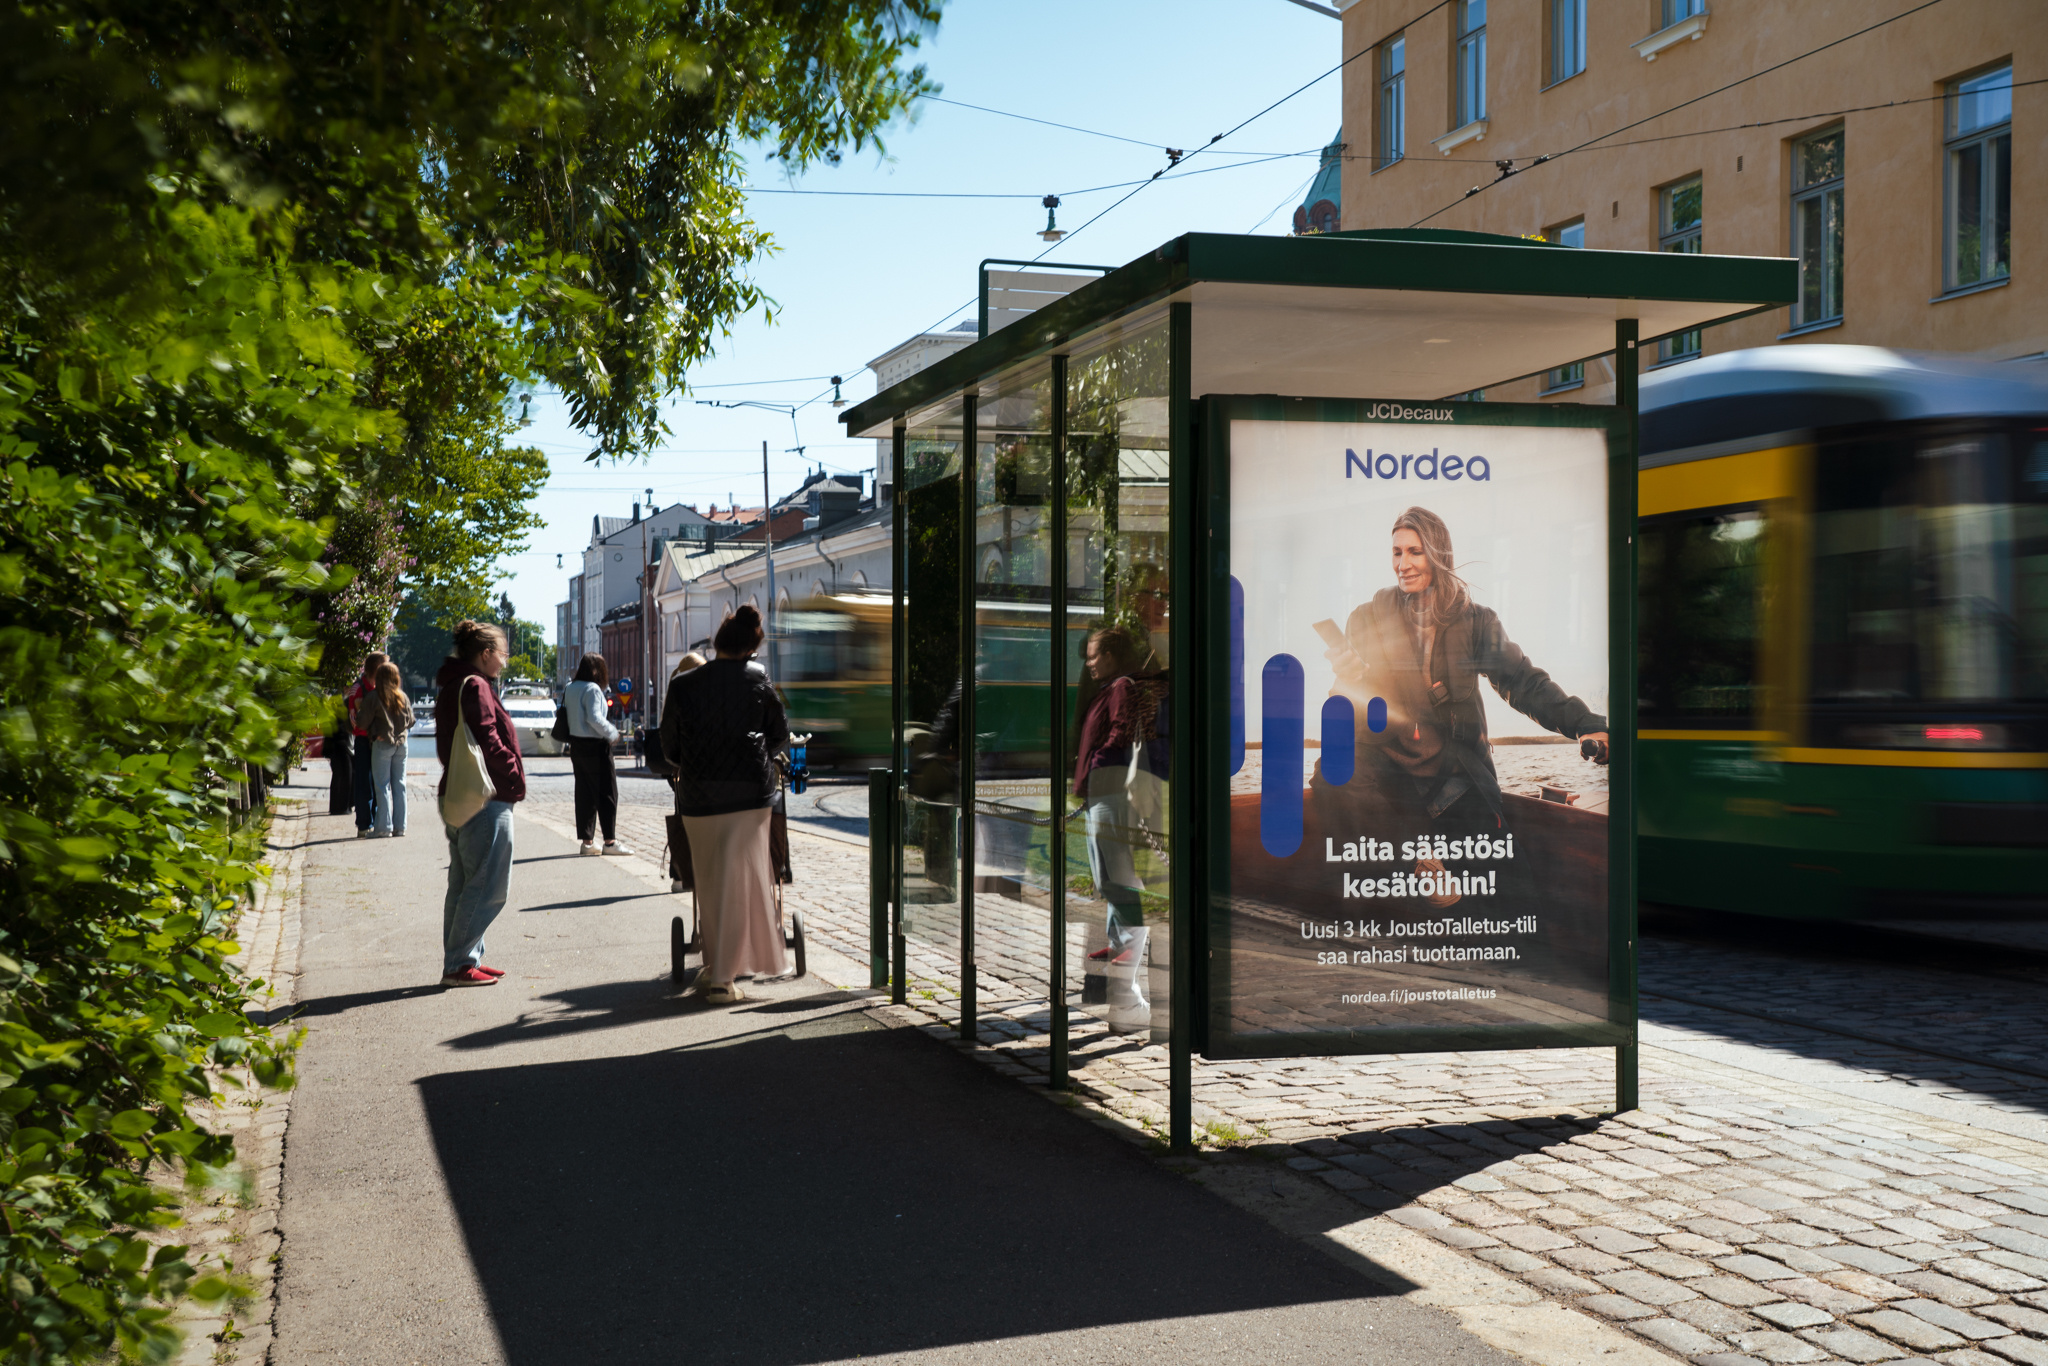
(1693,26)
(1670,361)
(1562,79)
(1474,131)
(2000,283)
(1389,164)
(1561,388)
(1805,328)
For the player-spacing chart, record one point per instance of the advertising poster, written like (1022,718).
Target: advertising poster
(1419,652)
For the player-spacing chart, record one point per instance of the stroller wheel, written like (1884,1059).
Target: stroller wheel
(678,949)
(795,940)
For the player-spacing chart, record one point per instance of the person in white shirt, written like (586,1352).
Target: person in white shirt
(590,755)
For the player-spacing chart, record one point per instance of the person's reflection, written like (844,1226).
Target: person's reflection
(935,781)
(1118,775)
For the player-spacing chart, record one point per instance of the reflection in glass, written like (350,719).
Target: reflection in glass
(1817,227)
(1700,584)
(1119,617)
(1930,581)
(1013,762)
(929,569)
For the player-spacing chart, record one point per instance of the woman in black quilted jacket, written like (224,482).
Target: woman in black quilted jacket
(720,727)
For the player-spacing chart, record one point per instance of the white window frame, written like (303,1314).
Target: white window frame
(1469,89)
(1678,11)
(1685,239)
(1567,39)
(1392,131)
(1832,197)
(1981,138)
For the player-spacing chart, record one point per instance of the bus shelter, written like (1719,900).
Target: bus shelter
(1253,676)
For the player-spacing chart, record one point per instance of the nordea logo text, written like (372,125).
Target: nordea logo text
(1387,465)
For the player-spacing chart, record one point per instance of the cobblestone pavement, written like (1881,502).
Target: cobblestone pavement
(1781,1196)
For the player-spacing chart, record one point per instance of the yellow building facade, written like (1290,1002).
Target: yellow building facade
(1906,165)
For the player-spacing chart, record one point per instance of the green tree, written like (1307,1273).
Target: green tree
(274,274)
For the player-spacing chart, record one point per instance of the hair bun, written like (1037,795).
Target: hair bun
(747,616)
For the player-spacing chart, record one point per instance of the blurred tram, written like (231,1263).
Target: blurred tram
(1843,578)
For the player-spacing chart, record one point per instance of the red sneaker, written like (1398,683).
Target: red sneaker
(489,971)
(1101,954)
(469,977)
(1124,959)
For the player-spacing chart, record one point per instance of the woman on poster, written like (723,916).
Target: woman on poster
(1422,647)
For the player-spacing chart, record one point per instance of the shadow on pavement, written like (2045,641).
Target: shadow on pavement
(592,901)
(335,1005)
(824,1190)
(606,1005)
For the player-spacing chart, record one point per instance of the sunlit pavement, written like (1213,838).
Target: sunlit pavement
(1785,1194)
(581,1165)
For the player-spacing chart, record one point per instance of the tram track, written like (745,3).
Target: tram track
(1840,1031)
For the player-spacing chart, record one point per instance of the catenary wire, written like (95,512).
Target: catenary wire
(1683,104)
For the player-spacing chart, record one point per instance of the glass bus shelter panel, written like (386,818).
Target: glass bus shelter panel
(1119,613)
(928,567)
(1013,764)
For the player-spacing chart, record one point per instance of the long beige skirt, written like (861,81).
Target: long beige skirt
(738,925)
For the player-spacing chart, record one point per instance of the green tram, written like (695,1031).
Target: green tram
(1843,579)
(832,653)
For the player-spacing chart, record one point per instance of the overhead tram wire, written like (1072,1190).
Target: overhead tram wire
(1683,104)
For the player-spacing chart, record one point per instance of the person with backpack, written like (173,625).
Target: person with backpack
(591,735)
(721,727)
(481,778)
(387,716)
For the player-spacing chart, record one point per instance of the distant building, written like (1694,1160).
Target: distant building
(1323,209)
(905,359)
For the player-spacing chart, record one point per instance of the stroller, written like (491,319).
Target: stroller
(684,940)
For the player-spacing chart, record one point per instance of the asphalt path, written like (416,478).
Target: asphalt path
(581,1165)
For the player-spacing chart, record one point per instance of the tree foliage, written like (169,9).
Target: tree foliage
(273,273)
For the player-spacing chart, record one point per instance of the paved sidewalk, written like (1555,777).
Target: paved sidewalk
(580,1165)
(1781,1196)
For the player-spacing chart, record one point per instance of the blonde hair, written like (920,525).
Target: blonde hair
(1447,596)
(390,687)
(690,661)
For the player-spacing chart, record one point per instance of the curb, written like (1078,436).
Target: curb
(238,1228)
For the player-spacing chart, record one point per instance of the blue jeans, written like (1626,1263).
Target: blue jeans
(365,794)
(1107,818)
(479,880)
(387,784)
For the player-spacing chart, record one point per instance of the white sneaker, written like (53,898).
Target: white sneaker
(614,847)
(588,847)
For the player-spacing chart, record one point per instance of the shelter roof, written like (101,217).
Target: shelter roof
(1415,313)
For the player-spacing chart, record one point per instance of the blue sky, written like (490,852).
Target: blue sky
(853,276)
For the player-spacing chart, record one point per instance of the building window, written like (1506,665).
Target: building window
(1393,100)
(1471,62)
(1678,229)
(1979,217)
(1567,39)
(1676,10)
(1817,227)
(1572,234)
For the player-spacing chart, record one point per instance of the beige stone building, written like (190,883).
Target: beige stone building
(1906,167)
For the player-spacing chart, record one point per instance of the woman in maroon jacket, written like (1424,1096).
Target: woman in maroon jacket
(480,851)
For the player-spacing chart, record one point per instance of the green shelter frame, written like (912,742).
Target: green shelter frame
(1306,327)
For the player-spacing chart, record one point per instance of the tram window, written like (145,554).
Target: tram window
(1930,571)
(1700,585)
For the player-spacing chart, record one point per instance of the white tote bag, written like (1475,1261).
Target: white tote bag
(469,787)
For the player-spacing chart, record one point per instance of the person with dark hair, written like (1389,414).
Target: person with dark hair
(1122,742)
(365,791)
(591,736)
(480,850)
(1422,646)
(720,727)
